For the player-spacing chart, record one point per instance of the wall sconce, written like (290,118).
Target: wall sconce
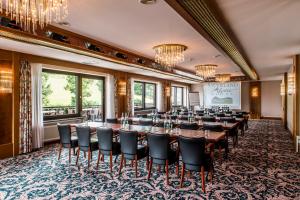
(6,81)
(254,92)
(168,91)
(291,84)
(122,88)
(282,89)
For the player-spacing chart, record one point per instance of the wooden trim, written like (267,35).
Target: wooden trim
(272,118)
(6,150)
(284,101)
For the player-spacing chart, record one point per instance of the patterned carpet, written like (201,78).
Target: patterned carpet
(264,166)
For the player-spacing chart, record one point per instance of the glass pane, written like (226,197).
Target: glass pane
(92,98)
(150,96)
(59,94)
(138,95)
(179,96)
(173,96)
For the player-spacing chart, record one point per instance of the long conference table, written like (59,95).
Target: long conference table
(211,136)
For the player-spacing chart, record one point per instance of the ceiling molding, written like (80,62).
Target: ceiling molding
(200,14)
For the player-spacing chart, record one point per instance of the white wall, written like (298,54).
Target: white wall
(271,99)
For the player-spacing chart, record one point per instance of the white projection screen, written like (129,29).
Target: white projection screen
(222,94)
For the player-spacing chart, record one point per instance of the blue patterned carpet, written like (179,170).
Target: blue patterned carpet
(264,166)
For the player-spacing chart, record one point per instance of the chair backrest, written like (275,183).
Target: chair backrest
(213,127)
(220,115)
(185,117)
(189,126)
(227,119)
(237,115)
(105,138)
(146,122)
(64,134)
(158,145)
(112,120)
(208,119)
(84,137)
(129,141)
(192,150)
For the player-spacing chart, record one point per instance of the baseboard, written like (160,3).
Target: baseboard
(273,118)
(51,141)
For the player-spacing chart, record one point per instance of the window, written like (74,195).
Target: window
(144,95)
(69,95)
(177,96)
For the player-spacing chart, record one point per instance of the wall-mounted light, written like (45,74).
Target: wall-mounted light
(254,92)
(168,91)
(122,88)
(6,81)
(291,83)
(282,89)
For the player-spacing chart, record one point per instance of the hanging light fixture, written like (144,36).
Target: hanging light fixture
(6,81)
(169,54)
(206,71)
(291,83)
(31,13)
(223,77)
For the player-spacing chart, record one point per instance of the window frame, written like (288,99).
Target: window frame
(175,93)
(78,105)
(144,96)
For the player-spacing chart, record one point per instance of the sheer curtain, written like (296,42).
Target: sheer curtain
(37,107)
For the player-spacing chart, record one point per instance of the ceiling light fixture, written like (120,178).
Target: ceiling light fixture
(169,55)
(33,13)
(206,71)
(147,2)
(223,77)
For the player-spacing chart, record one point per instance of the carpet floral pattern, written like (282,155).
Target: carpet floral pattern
(263,166)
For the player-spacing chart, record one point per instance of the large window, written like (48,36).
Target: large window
(144,95)
(71,95)
(177,96)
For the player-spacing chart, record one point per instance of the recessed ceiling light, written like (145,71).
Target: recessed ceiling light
(147,1)
(64,23)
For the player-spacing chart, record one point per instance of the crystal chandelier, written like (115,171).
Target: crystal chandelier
(169,54)
(206,71)
(31,13)
(223,77)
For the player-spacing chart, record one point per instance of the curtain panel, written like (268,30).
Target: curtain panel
(25,108)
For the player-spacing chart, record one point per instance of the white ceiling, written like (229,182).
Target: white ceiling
(137,28)
(268,30)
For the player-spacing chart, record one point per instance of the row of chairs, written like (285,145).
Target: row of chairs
(192,150)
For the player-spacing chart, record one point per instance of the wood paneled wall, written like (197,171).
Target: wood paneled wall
(255,99)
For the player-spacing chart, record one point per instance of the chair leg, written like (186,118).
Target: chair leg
(167,171)
(59,151)
(150,168)
(177,169)
(99,155)
(84,154)
(203,179)
(70,154)
(74,151)
(158,168)
(110,159)
(182,175)
(116,158)
(136,165)
(78,152)
(89,157)
(121,164)
(131,163)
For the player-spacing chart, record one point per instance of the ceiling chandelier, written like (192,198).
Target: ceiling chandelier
(169,55)
(222,77)
(206,71)
(31,13)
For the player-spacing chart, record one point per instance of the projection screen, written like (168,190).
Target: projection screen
(222,94)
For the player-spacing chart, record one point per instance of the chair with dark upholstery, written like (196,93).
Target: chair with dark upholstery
(221,144)
(131,150)
(208,119)
(161,124)
(66,139)
(106,145)
(112,120)
(146,122)
(184,117)
(161,153)
(85,143)
(228,119)
(189,126)
(220,115)
(194,158)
